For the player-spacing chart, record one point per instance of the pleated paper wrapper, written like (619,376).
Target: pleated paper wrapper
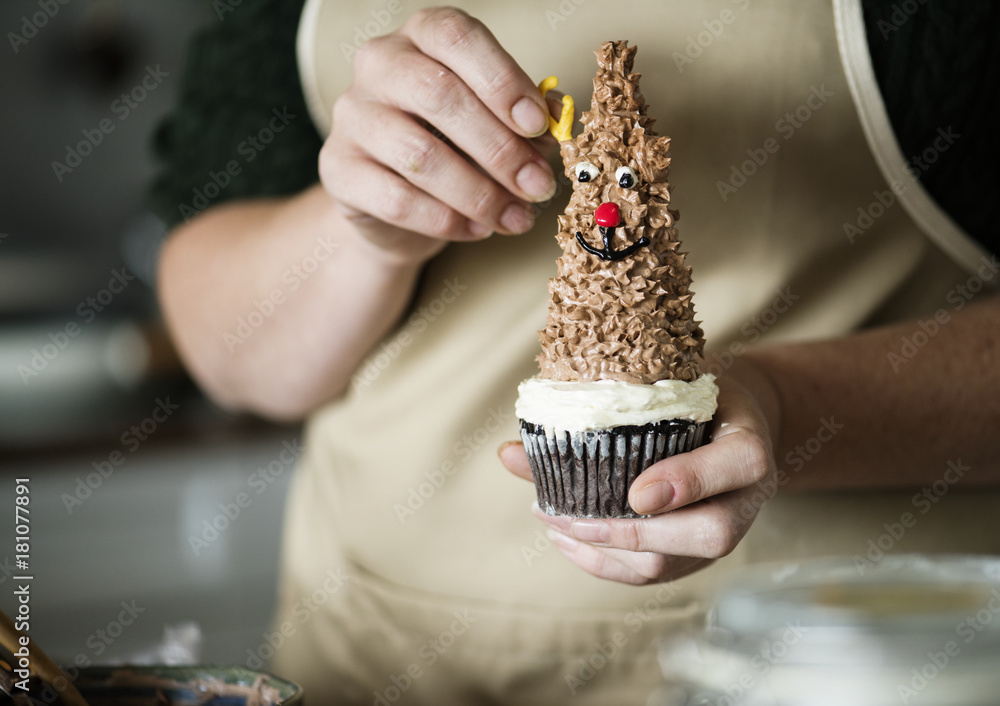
(588,473)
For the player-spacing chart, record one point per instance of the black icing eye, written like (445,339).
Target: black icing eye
(585,171)
(626,177)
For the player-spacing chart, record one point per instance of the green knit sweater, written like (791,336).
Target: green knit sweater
(937,64)
(240,128)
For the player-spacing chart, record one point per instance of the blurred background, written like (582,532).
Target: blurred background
(134,476)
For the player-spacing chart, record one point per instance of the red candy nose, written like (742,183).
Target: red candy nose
(608,215)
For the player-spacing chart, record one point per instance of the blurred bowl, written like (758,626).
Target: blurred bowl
(182,686)
(907,629)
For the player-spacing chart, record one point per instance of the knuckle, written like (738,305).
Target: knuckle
(396,203)
(630,537)
(445,224)
(418,154)
(757,458)
(505,154)
(722,539)
(453,29)
(422,17)
(500,79)
(331,169)
(326,171)
(369,53)
(483,203)
(653,566)
(439,92)
(342,109)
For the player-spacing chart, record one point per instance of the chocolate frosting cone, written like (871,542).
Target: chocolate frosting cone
(620,304)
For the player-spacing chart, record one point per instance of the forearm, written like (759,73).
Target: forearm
(863,412)
(273,303)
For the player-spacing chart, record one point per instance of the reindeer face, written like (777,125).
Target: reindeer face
(620,303)
(620,194)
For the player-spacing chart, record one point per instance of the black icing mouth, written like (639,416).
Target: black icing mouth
(608,252)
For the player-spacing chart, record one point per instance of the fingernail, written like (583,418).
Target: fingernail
(560,540)
(478,230)
(560,522)
(536,181)
(503,447)
(654,497)
(594,532)
(530,117)
(516,218)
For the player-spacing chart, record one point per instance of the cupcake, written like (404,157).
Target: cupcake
(620,384)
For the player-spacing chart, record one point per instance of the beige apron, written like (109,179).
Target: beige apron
(452,593)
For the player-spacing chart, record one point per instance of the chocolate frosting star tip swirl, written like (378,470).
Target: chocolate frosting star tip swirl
(620,304)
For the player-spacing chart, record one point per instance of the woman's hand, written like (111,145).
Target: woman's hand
(430,142)
(702,502)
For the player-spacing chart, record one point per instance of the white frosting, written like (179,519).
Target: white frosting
(586,406)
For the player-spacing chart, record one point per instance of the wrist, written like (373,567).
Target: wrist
(392,247)
(754,373)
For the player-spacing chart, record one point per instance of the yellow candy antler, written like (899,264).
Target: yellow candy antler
(563,129)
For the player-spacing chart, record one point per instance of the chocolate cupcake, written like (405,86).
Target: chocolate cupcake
(621,385)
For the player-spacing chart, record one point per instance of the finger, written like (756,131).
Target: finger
(656,567)
(739,455)
(738,459)
(512,456)
(369,188)
(397,141)
(421,86)
(467,47)
(595,562)
(709,530)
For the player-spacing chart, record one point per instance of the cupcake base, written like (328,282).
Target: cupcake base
(588,473)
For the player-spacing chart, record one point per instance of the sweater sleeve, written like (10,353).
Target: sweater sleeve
(240,128)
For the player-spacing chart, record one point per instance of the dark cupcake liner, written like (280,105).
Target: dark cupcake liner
(588,473)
